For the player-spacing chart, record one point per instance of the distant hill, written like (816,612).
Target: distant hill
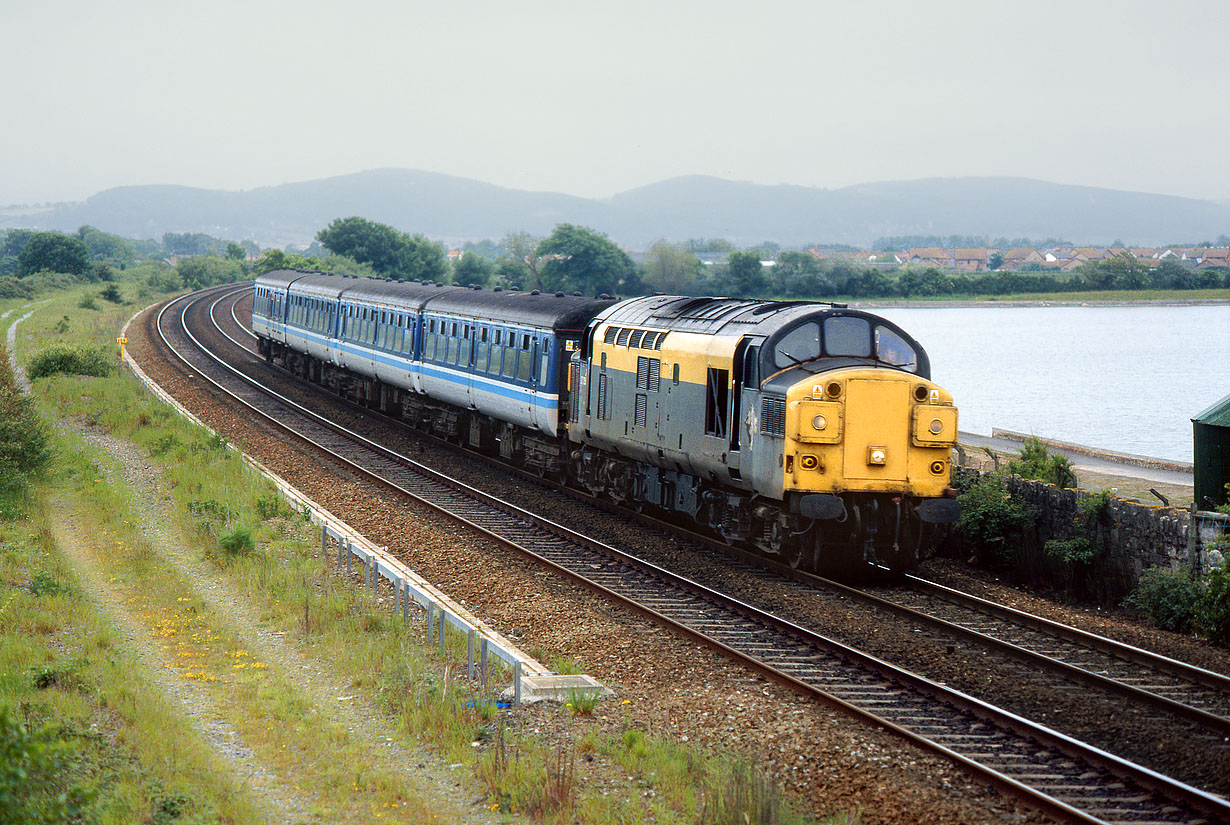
(455,209)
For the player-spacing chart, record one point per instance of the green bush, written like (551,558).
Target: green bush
(111,293)
(1076,550)
(991,518)
(1040,464)
(1169,598)
(65,360)
(1213,612)
(237,542)
(88,302)
(24,448)
(37,783)
(1083,547)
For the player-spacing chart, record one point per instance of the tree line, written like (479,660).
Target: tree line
(572,259)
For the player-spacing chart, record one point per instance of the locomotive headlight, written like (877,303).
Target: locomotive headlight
(936,427)
(877,456)
(819,422)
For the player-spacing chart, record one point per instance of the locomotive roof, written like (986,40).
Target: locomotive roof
(715,316)
(554,310)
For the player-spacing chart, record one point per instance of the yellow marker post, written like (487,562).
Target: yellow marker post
(121,342)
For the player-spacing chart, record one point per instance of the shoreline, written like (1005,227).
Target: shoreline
(945,303)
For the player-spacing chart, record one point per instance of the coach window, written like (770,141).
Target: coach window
(543,361)
(480,352)
(463,357)
(510,359)
(525,366)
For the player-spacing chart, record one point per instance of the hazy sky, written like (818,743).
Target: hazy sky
(594,98)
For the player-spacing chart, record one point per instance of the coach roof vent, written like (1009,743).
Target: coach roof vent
(535,292)
(559,295)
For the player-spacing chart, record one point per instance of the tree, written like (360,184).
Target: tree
(421,259)
(670,269)
(235,252)
(747,276)
(580,259)
(796,273)
(208,270)
(53,252)
(108,248)
(389,251)
(930,281)
(520,264)
(996,260)
(472,268)
(375,243)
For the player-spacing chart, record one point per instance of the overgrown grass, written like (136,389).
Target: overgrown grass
(96,742)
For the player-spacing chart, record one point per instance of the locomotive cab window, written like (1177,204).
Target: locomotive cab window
(798,345)
(893,350)
(847,335)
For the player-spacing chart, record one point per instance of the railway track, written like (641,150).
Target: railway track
(1057,773)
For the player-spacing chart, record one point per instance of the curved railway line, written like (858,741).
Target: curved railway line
(1055,772)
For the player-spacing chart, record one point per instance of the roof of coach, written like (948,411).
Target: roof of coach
(391,292)
(553,310)
(321,285)
(282,278)
(714,316)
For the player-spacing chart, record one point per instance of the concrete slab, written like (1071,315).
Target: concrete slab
(559,688)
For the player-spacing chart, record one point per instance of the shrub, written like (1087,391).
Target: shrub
(88,302)
(66,360)
(111,293)
(1085,545)
(44,584)
(1213,612)
(237,542)
(583,702)
(24,446)
(36,774)
(1040,464)
(990,517)
(1169,598)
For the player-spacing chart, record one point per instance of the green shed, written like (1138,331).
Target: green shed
(1211,454)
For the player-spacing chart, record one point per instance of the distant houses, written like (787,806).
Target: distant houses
(1063,259)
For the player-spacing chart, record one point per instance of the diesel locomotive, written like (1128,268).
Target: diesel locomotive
(809,432)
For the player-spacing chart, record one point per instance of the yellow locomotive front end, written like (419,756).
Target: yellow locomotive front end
(867,457)
(869,431)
